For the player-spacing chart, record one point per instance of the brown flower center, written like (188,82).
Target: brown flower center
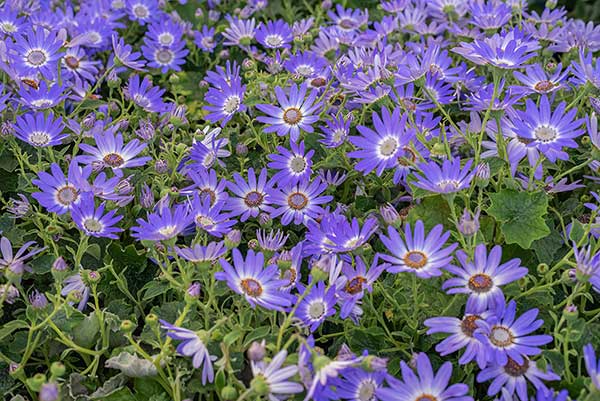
(426,397)
(72,62)
(113,160)
(543,86)
(67,195)
(469,325)
(355,285)
(415,259)
(514,369)
(297,200)
(292,116)
(251,287)
(253,199)
(480,283)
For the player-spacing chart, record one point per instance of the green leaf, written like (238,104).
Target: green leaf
(256,334)
(131,365)
(520,215)
(432,211)
(111,386)
(85,333)
(11,326)
(154,289)
(232,337)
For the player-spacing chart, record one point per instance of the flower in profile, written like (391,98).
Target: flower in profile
(482,277)
(110,151)
(15,262)
(588,266)
(444,179)
(210,150)
(37,51)
(162,224)
(145,95)
(461,336)
(259,284)
(271,242)
(298,203)
(252,196)
(296,112)
(587,70)
(317,306)
(271,380)
(536,80)
(490,15)
(193,344)
(93,221)
(274,34)
(380,148)
(513,377)
(123,55)
(59,193)
(546,130)
(425,384)
(293,166)
(423,256)
(74,286)
(240,32)
(40,130)
(592,129)
(508,338)
(591,365)
(198,253)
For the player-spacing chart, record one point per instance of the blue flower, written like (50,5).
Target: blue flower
(317,306)
(110,151)
(449,178)
(40,130)
(93,221)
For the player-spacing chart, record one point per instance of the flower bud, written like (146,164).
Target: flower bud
(253,244)
(390,214)
(229,393)
(59,264)
(151,319)
(468,225)
(482,174)
(36,382)
(57,369)
(542,268)
(193,291)
(127,326)
(265,220)
(550,4)
(241,149)
(161,166)
(257,351)
(146,197)
(19,207)
(570,312)
(233,239)
(38,300)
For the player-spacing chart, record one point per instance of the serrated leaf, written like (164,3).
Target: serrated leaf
(131,365)
(520,215)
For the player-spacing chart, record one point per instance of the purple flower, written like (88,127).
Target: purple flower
(162,224)
(448,178)
(317,306)
(536,80)
(165,58)
(199,254)
(145,95)
(306,64)
(294,166)
(110,151)
(379,149)
(335,131)
(74,284)
(205,39)
(252,196)
(461,336)
(39,130)
(240,32)
(142,11)
(593,368)
(271,242)
(124,55)
(507,337)
(490,15)
(482,277)
(44,97)
(274,34)
(224,101)
(294,114)
(298,203)
(16,262)
(206,184)
(357,384)
(59,193)
(93,221)
(425,384)
(587,70)
(275,378)
(49,392)
(193,344)
(210,218)
(259,284)
(418,254)
(512,376)
(37,50)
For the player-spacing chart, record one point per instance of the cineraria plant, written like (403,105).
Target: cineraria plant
(312,200)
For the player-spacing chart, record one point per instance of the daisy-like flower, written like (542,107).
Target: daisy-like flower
(210,218)
(461,336)
(142,11)
(298,203)
(306,64)
(39,130)
(201,254)
(110,151)
(124,55)
(10,22)
(272,381)
(325,371)
(224,101)
(206,184)
(444,179)
(145,95)
(193,344)
(546,130)
(252,196)
(425,384)
(165,58)
(482,277)
(358,385)
(379,149)
(588,266)
(295,113)
(271,242)
(536,80)
(60,193)
(294,165)
(423,256)
(317,306)
(37,51)
(167,33)
(274,34)
(591,364)
(336,131)
(513,377)
(77,68)
(508,338)
(205,39)
(258,284)
(16,262)
(587,70)
(210,150)
(93,221)
(240,32)
(44,97)
(74,284)
(336,234)
(162,224)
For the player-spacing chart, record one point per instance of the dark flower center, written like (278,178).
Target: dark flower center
(113,160)
(251,287)
(67,195)
(290,275)
(72,62)
(501,336)
(206,193)
(92,225)
(39,138)
(415,259)
(426,397)
(543,86)
(292,116)
(514,369)
(469,325)
(31,83)
(36,57)
(346,23)
(318,82)
(253,199)
(297,200)
(407,104)
(355,285)
(480,283)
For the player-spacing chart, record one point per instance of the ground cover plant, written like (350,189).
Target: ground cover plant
(350,200)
